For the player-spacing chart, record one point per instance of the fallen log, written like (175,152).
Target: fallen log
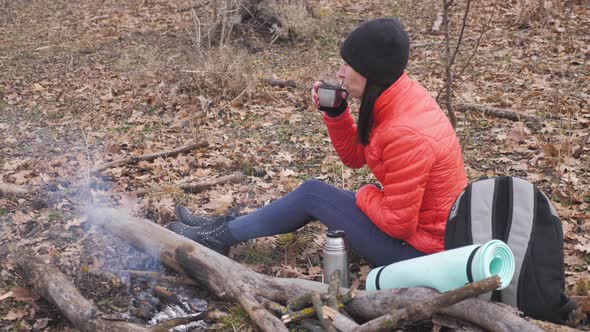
(148,157)
(280,83)
(498,112)
(194,188)
(59,290)
(232,281)
(198,187)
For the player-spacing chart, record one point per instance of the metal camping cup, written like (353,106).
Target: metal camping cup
(335,257)
(331,95)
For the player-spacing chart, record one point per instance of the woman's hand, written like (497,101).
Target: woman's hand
(330,111)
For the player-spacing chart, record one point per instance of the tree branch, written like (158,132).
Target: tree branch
(148,157)
(448,66)
(399,318)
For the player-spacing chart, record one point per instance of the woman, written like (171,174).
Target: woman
(403,137)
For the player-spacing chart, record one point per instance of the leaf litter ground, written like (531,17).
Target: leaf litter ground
(83,83)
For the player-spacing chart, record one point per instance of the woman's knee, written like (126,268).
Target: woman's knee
(312,186)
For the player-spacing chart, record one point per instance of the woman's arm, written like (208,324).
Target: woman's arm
(342,131)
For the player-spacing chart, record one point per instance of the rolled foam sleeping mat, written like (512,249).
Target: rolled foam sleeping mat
(447,270)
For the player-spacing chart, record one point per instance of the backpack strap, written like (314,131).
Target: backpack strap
(523,215)
(482,205)
(482,193)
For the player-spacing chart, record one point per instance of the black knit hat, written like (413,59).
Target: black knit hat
(378,50)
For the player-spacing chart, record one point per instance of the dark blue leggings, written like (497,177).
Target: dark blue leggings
(335,208)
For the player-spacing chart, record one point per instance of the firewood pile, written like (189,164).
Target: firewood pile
(272,303)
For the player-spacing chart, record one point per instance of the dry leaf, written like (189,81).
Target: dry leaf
(315,270)
(38,87)
(24,295)
(40,324)
(6,295)
(20,218)
(287,173)
(219,202)
(76,222)
(365,269)
(517,135)
(14,314)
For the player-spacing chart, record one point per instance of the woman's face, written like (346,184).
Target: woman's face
(352,81)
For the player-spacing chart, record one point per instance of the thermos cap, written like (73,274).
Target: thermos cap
(335,233)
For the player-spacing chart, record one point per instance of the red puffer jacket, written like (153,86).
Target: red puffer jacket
(415,155)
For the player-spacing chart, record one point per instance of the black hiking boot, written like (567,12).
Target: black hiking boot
(186,217)
(215,236)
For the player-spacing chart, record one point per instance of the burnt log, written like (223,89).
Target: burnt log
(58,289)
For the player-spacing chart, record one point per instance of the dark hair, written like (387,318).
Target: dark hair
(366,115)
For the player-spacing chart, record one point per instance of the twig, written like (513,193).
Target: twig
(341,322)
(318,305)
(231,101)
(298,315)
(273,306)
(425,309)
(6,295)
(302,314)
(461,33)
(96,18)
(299,302)
(165,326)
(149,157)
(483,30)
(448,66)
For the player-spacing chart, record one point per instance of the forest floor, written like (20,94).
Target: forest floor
(86,82)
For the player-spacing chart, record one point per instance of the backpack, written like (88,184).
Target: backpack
(515,211)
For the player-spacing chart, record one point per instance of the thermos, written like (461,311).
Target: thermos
(335,257)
